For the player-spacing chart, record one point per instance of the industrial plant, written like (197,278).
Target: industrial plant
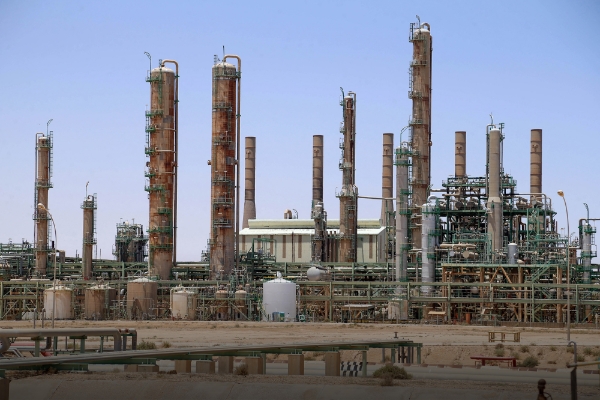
(470,249)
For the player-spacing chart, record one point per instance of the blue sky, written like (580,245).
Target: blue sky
(533,64)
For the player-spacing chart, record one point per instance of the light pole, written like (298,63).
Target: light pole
(43,208)
(562,194)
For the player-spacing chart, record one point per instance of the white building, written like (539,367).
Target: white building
(291,239)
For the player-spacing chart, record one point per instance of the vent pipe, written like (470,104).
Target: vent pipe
(460,154)
(317,169)
(494,203)
(387,180)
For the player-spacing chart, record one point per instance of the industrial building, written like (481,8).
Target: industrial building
(473,249)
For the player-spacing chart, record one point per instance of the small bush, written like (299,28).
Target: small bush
(540,352)
(552,348)
(551,362)
(515,355)
(393,371)
(236,326)
(524,349)
(570,349)
(387,380)
(172,372)
(580,357)
(499,346)
(166,344)
(241,369)
(144,345)
(499,352)
(530,362)
(587,351)
(596,352)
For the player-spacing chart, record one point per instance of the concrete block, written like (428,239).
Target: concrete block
(225,365)
(4,386)
(296,364)
(332,363)
(255,365)
(147,368)
(183,366)
(205,367)
(131,368)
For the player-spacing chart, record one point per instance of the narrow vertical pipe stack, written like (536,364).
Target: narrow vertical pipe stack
(42,184)
(225,146)
(319,215)
(420,122)
(535,166)
(494,203)
(160,148)
(387,193)
(250,180)
(348,195)
(89,207)
(460,154)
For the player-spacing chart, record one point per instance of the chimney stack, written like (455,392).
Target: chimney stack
(460,154)
(535,177)
(250,180)
(317,169)
(387,178)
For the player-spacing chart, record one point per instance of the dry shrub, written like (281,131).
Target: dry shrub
(587,351)
(499,352)
(241,369)
(499,346)
(393,371)
(144,345)
(552,348)
(530,362)
(387,380)
(580,357)
(524,349)
(166,344)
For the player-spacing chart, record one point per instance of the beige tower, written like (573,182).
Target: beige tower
(161,148)
(319,215)
(535,178)
(494,203)
(387,192)
(249,185)
(460,154)
(43,163)
(420,121)
(348,195)
(225,104)
(89,207)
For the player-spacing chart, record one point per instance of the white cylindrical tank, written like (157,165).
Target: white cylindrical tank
(142,298)
(98,300)
(279,298)
(513,253)
(62,308)
(183,303)
(315,274)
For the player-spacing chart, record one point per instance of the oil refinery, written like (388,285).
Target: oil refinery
(470,249)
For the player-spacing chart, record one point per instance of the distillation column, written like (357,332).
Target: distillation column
(387,193)
(348,195)
(420,121)
(460,154)
(161,149)
(494,203)
(89,207)
(249,185)
(223,159)
(402,207)
(42,184)
(319,215)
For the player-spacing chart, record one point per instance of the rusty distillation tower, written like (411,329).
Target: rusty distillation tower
(250,181)
(420,122)
(161,148)
(348,195)
(318,213)
(224,221)
(89,206)
(43,168)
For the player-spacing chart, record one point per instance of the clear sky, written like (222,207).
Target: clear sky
(533,64)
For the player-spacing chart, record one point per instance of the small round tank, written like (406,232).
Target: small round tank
(315,274)
(62,308)
(241,309)
(98,300)
(183,304)
(142,298)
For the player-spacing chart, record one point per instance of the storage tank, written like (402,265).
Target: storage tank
(279,300)
(183,303)
(142,298)
(222,306)
(63,308)
(241,308)
(98,300)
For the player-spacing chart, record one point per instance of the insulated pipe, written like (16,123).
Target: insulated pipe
(33,333)
(387,179)
(535,177)
(250,180)
(237,164)
(494,203)
(317,191)
(176,156)
(460,154)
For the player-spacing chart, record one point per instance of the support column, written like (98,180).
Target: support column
(332,363)
(255,365)
(296,364)
(225,365)
(183,366)
(205,367)
(364,363)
